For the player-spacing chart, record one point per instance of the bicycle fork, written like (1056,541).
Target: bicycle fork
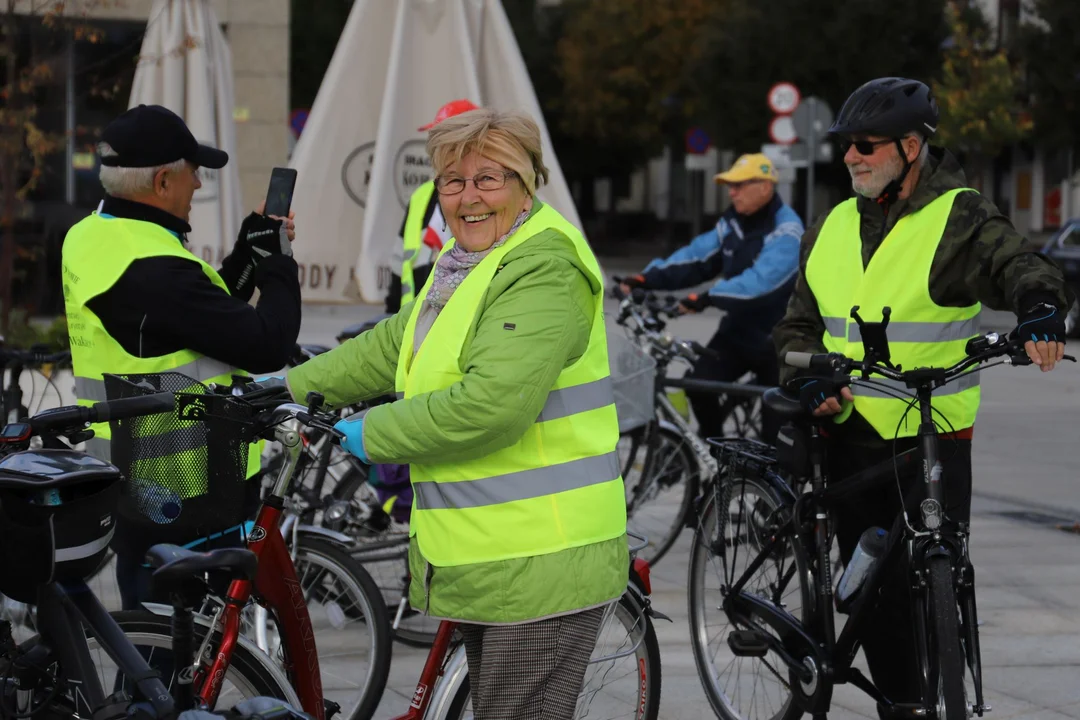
(969,626)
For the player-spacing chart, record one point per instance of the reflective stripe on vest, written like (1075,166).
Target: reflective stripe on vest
(96,253)
(559,485)
(413,238)
(921,333)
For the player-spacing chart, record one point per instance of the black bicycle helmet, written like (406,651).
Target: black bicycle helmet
(891,107)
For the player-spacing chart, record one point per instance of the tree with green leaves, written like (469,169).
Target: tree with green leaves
(1051,53)
(825,49)
(978,92)
(624,68)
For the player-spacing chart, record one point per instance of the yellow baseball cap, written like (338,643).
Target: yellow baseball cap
(752,166)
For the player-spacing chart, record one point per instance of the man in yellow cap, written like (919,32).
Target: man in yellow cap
(753,253)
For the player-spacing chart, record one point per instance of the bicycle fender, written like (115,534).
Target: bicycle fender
(333,536)
(242,640)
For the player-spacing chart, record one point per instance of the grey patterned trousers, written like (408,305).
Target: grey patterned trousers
(531,671)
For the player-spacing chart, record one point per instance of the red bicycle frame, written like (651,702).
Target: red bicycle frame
(433,670)
(276,586)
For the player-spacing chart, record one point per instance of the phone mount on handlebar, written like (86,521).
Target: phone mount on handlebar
(875,340)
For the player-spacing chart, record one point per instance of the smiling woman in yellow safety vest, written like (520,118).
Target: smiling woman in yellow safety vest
(507,419)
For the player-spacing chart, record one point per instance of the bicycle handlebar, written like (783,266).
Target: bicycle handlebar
(979,349)
(32,357)
(76,416)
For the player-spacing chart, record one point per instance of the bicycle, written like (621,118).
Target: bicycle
(663,484)
(335,501)
(57,518)
(15,362)
(235,416)
(755,506)
(442,692)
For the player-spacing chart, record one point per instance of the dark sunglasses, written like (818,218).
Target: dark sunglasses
(863,147)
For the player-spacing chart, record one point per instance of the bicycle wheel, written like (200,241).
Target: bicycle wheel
(350,624)
(250,674)
(733,527)
(660,472)
(638,699)
(947,656)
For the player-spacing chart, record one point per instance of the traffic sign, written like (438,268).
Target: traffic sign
(697,141)
(782,130)
(812,118)
(783,98)
(796,155)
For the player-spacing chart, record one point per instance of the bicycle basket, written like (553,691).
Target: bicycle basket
(183,475)
(64,541)
(633,377)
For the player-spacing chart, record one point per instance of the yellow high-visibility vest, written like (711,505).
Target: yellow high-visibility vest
(97,251)
(921,333)
(559,486)
(414,235)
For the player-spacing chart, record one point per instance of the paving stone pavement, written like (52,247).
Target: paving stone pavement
(1027,483)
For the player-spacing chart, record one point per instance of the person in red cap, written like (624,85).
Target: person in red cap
(423,230)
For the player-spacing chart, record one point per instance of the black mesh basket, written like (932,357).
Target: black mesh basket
(184,471)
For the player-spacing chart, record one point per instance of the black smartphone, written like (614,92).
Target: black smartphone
(279,195)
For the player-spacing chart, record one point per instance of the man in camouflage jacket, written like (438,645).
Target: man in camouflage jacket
(979,258)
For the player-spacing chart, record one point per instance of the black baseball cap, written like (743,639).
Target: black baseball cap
(151,135)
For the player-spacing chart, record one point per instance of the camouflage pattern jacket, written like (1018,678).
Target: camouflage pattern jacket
(981,258)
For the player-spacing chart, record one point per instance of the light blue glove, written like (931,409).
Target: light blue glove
(353,428)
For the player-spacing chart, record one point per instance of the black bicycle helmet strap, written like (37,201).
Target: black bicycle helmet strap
(891,192)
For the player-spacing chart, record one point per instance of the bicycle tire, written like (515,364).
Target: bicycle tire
(647,705)
(948,657)
(252,667)
(700,553)
(378,621)
(688,480)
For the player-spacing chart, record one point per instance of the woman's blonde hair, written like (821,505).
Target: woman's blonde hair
(510,138)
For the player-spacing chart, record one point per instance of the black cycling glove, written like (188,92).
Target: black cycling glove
(260,237)
(814,391)
(695,302)
(1042,322)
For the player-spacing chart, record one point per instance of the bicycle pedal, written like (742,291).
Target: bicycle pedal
(330,708)
(902,711)
(748,643)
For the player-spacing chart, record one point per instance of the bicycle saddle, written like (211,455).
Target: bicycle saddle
(173,563)
(784,404)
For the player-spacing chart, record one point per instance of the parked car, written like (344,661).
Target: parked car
(1064,248)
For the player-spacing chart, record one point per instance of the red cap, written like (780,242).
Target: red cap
(450,109)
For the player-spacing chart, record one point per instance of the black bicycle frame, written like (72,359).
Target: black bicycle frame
(65,613)
(816,641)
(11,399)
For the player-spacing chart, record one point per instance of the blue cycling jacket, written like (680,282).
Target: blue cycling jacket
(756,258)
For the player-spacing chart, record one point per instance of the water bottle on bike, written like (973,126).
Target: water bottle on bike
(869,550)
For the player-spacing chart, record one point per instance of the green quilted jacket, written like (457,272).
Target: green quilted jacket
(545,293)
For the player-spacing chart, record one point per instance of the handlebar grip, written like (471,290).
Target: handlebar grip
(799,359)
(133,407)
(60,418)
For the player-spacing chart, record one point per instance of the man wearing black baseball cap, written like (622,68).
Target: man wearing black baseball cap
(138,301)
